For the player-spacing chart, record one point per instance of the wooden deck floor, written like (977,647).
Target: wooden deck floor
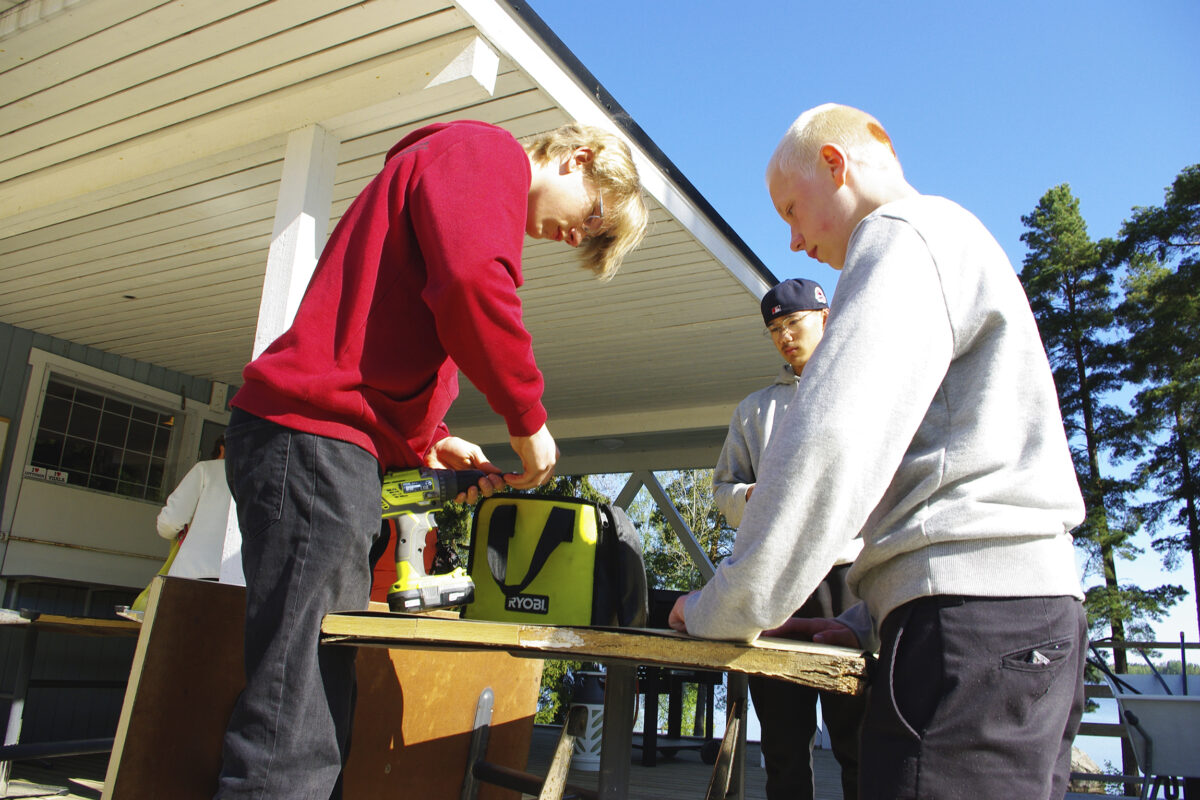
(684,777)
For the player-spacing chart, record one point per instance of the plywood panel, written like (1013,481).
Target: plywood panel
(415,709)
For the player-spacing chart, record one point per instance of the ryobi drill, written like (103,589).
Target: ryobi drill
(412,496)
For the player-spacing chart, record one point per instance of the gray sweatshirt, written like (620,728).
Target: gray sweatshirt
(750,429)
(927,422)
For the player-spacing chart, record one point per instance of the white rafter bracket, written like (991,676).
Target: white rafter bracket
(476,62)
(464,72)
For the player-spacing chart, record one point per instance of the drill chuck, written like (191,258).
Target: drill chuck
(424,489)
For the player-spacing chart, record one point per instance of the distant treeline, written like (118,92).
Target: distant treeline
(1169,668)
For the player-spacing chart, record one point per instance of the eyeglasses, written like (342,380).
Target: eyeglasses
(594,223)
(791,324)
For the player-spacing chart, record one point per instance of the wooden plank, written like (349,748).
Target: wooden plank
(84,207)
(100,308)
(283,83)
(835,669)
(240,253)
(176,277)
(194,245)
(202,66)
(58,623)
(158,42)
(202,208)
(199,196)
(1101,729)
(1144,645)
(515,107)
(80,21)
(106,58)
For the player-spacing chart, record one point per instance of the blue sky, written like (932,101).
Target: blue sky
(988,104)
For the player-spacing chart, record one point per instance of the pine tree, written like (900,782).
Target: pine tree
(1070,289)
(1160,247)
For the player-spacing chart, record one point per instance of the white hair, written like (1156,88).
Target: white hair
(858,133)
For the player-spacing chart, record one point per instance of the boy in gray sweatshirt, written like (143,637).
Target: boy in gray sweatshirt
(928,424)
(794,312)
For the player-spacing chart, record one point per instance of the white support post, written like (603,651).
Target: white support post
(301,223)
(632,487)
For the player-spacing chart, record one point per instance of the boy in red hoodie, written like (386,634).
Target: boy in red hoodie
(417,281)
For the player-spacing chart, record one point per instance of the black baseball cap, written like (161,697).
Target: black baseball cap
(794,294)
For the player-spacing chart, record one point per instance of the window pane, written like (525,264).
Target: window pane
(135,467)
(76,459)
(84,397)
(55,412)
(130,489)
(107,461)
(103,484)
(158,468)
(85,421)
(58,389)
(141,437)
(162,441)
(113,429)
(47,450)
(77,455)
(145,415)
(119,407)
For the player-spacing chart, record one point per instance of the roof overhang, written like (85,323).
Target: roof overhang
(141,151)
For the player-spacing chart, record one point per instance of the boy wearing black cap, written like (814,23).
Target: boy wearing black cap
(794,312)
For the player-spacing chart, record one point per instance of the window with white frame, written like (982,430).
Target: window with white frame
(103,441)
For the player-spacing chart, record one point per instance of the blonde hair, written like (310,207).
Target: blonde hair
(855,131)
(612,171)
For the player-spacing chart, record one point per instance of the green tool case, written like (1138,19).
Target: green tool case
(553,560)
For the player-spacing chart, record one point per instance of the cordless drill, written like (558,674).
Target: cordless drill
(412,496)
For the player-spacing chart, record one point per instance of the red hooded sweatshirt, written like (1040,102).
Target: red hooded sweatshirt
(418,279)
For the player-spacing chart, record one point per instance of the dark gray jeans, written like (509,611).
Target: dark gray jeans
(974,698)
(787,713)
(308,508)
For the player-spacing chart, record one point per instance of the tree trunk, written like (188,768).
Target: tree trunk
(1189,499)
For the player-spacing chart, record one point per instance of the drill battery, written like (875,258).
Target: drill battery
(410,498)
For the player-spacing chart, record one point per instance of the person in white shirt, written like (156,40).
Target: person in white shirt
(201,504)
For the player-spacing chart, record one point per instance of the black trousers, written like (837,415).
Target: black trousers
(308,508)
(974,699)
(787,713)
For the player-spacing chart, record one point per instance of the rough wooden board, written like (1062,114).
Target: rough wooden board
(415,709)
(824,667)
(56,623)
